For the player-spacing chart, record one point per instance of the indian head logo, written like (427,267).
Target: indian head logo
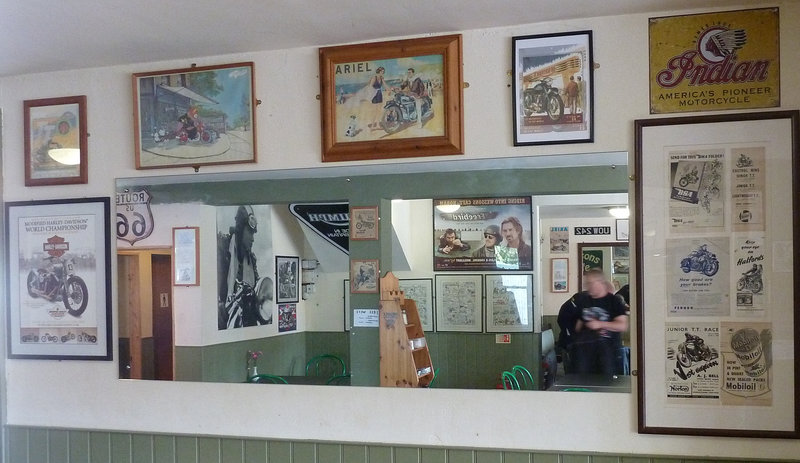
(714,60)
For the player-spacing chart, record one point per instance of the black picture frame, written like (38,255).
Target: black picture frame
(287,279)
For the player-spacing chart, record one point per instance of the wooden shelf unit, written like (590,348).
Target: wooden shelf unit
(403,364)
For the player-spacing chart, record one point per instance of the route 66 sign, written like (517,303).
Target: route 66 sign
(134,217)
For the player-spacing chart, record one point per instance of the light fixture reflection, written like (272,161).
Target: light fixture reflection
(448,208)
(66,156)
(620,212)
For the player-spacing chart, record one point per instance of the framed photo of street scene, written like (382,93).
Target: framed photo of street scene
(395,99)
(195,116)
(55,141)
(553,88)
(59,279)
(718,274)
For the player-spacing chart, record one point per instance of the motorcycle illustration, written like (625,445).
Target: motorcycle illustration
(543,98)
(702,260)
(694,349)
(186,131)
(751,280)
(58,282)
(744,161)
(402,110)
(689,178)
(361,223)
(248,298)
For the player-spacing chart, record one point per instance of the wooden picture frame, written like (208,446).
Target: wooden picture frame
(364,275)
(59,279)
(553,88)
(185,256)
(364,221)
(56,141)
(459,303)
(509,303)
(716,263)
(195,116)
(363,120)
(287,279)
(559,275)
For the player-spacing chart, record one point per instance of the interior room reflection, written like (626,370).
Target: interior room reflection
(275,302)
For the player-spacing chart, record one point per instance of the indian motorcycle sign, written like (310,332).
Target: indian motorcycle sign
(714,61)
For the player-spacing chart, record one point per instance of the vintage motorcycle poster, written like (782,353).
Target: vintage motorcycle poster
(750,260)
(698,276)
(482,234)
(747,363)
(696,188)
(748,183)
(692,361)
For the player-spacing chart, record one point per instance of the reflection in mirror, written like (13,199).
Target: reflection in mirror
(247,316)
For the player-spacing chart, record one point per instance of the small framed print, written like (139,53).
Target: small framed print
(287,278)
(364,275)
(623,229)
(364,223)
(185,256)
(559,275)
(55,141)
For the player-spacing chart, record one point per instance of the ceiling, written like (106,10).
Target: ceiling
(46,35)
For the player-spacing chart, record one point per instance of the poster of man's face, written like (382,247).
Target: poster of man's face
(244,265)
(482,234)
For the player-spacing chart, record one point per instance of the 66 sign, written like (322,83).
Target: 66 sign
(134,217)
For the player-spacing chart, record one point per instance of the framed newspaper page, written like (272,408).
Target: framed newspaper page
(717,275)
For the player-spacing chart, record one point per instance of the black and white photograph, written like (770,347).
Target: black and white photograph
(288,278)
(364,276)
(244,259)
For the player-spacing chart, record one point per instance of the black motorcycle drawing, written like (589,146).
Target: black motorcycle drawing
(744,161)
(543,98)
(689,178)
(694,349)
(401,110)
(751,280)
(361,223)
(58,282)
(702,260)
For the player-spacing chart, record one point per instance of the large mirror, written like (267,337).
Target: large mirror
(304,322)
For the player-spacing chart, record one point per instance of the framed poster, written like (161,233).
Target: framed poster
(421,291)
(364,223)
(509,303)
(718,274)
(459,301)
(482,234)
(195,116)
(185,256)
(394,99)
(364,274)
(287,276)
(59,279)
(55,141)
(553,88)
(559,275)
(713,61)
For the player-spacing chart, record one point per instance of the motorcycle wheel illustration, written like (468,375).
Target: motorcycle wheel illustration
(686,266)
(392,119)
(555,107)
(710,268)
(76,296)
(31,284)
(684,360)
(683,181)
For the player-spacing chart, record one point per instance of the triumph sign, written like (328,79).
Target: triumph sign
(705,62)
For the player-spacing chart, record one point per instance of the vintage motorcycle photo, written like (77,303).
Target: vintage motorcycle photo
(58,282)
(401,110)
(751,280)
(694,349)
(543,98)
(702,260)
(689,178)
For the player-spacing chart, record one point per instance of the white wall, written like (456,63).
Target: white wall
(288,125)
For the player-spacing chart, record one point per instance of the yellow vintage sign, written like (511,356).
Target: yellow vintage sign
(714,61)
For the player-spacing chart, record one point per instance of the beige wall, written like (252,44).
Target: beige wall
(88,394)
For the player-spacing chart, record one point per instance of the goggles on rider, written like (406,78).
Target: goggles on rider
(251,221)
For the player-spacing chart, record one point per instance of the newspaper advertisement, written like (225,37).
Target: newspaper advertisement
(746,350)
(748,174)
(693,363)
(559,240)
(698,282)
(750,260)
(696,184)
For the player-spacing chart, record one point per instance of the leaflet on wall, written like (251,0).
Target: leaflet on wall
(698,282)
(748,182)
(693,363)
(559,240)
(482,234)
(696,202)
(750,260)
(747,363)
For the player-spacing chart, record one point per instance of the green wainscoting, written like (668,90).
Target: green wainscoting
(38,445)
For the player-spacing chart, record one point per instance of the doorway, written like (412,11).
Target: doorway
(146,340)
